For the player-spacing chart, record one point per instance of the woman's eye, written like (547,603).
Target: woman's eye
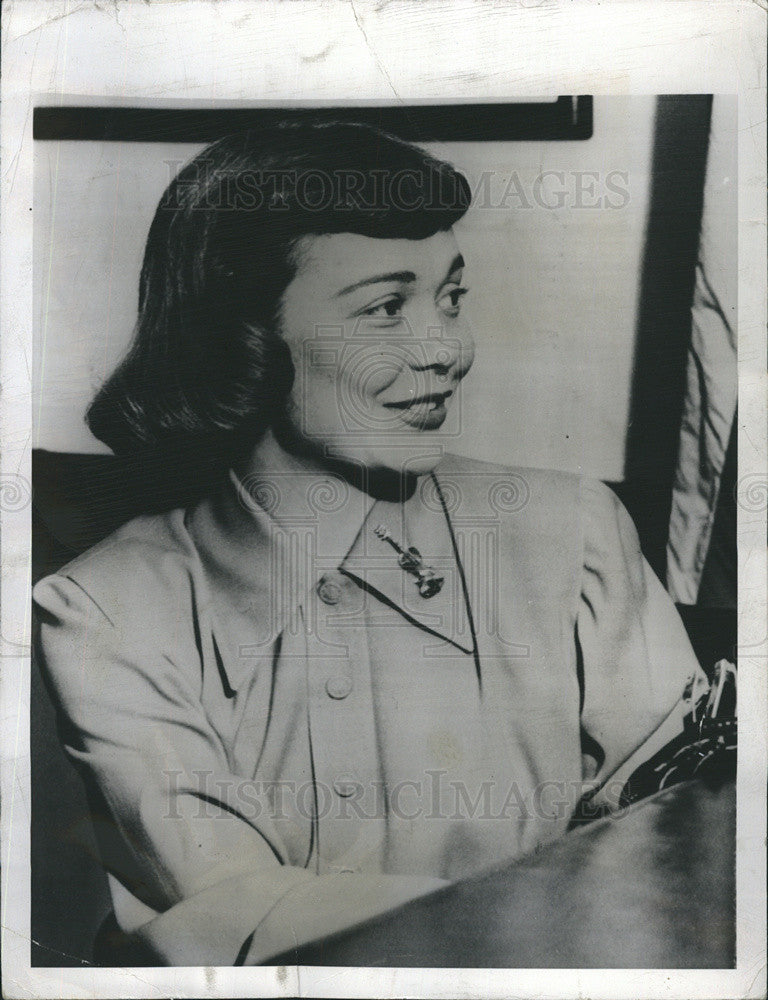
(450,303)
(388,309)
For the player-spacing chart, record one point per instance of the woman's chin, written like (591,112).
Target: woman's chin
(410,461)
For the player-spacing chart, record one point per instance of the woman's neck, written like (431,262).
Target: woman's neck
(280,450)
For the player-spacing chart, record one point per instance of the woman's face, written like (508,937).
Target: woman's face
(379,345)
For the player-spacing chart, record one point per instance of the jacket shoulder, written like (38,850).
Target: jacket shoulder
(135,568)
(513,489)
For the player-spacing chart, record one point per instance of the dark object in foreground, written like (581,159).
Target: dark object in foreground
(706,748)
(651,887)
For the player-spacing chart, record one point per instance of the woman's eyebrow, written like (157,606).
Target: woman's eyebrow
(403,276)
(376,279)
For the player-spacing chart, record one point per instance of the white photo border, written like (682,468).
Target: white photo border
(130,52)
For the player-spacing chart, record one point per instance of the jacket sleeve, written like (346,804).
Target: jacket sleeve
(636,656)
(206,871)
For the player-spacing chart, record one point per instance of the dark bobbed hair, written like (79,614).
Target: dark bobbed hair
(207,369)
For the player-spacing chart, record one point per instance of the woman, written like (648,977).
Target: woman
(355,667)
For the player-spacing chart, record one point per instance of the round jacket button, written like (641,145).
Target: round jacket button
(344,787)
(329,591)
(338,687)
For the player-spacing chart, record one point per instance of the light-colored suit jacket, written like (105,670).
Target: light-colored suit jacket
(280,736)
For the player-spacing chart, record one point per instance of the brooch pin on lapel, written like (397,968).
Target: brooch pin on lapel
(428,581)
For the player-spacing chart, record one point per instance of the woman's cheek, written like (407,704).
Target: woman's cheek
(369,370)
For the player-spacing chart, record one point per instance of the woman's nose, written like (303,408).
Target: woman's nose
(443,349)
(437,354)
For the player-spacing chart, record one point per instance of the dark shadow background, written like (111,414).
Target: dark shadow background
(664,316)
(78,499)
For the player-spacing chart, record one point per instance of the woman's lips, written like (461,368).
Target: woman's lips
(425,412)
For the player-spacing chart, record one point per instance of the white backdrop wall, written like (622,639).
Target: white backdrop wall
(553,300)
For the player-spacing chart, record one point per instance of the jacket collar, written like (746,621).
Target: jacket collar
(422,522)
(267,538)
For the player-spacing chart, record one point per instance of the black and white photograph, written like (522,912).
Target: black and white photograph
(385,497)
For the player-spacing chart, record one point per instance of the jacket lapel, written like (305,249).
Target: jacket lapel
(420,522)
(266,543)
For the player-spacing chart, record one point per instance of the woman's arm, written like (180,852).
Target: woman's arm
(132,723)
(637,659)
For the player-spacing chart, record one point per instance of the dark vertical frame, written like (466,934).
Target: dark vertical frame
(664,315)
